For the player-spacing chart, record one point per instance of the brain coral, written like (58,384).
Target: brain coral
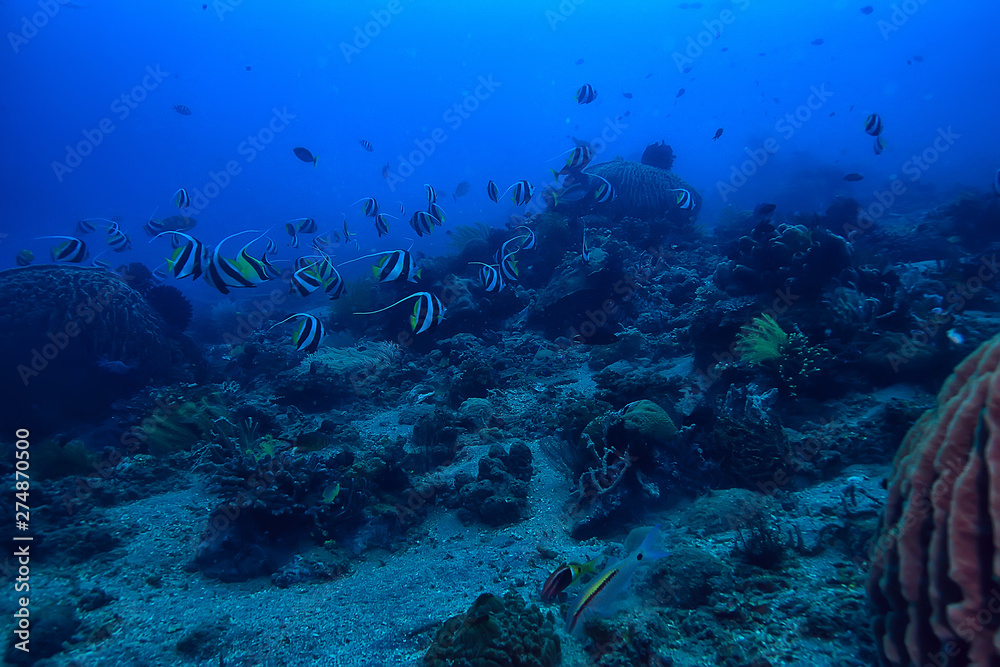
(58,324)
(643,190)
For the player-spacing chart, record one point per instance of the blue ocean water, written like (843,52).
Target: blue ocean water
(111,107)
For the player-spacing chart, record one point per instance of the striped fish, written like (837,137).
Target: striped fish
(508,268)
(493,192)
(272,247)
(685,201)
(223,273)
(187,258)
(308,335)
(251,267)
(181,198)
(601,593)
(25,257)
(437,213)
(367,145)
(529,238)
(88,225)
(879,145)
(305,281)
(586,250)
(522,192)
(301,225)
(422,222)
(427,311)
(119,240)
(335,285)
(396,266)
(154,226)
(99,263)
(873,124)
(490,277)
(585,94)
(432,195)
(72,249)
(605,192)
(381,226)
(368,206)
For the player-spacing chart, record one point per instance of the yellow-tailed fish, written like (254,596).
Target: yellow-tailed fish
(601,593)
(565,576)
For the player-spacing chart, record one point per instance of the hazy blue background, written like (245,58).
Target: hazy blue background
(429,57)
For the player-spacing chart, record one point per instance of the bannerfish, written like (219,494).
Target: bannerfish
(873,124)
(367,145)
(182,109)
(585,94)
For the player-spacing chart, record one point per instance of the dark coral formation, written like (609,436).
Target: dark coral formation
(172,306)
(68,328)
(932,585)
(644,191)
(659,155)
(499,494)
(496,632)
(798,259)
(279,504)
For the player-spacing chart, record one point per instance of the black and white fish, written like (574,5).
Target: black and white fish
(492,191)
(396,266)
(522,192)
(873,124)
(427,311)
(223,273)
(71,250)
(181,198)
(119,240)
(585,94)
(368,206)
(188,257)
(432,196)
(422,222)
(685,201)
(367,145)
(604,191)
(310,333)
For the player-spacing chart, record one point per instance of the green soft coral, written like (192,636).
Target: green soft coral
(762,340)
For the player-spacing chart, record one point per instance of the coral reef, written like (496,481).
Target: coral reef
(798,259)
(934,563)
(58,322)
(644,191)
(499,494)
(659,155)
(496,632)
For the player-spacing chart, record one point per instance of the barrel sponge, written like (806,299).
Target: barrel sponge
(934,567)
(59,323)
(643,190)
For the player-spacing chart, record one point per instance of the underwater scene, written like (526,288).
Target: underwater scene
(484,334)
